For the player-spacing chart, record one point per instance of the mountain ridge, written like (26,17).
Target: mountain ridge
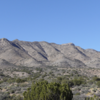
(35,54)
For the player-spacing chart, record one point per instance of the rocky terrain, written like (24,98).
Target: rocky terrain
(35,54)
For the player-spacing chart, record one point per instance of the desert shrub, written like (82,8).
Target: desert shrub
(1,82)
(14,89)
(4,96)
(36,75)
(14,97)
(10,80)
(39,69)
(77,93)
(95,78)
(44,75)
(78,81)
(92,98)
(1,74)
(59,78)
(64,81)
(84,90)
(43,90)
(98,83)
(70,83)
(19,80)
(90,82)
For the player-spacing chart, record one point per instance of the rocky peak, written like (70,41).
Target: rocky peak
(4,41)
(16,40)
(69,44)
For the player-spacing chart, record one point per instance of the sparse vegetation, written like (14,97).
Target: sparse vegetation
(13,86)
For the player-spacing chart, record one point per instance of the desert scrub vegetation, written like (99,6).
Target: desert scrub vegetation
(84,83)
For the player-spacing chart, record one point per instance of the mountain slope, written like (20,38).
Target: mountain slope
(24,53)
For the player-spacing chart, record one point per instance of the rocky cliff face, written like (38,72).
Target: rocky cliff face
(22,53)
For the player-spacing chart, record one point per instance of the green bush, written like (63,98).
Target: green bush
(98,83)
(95,78)
(20,80)
(43,90)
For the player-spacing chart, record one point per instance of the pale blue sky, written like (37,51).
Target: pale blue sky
(58,21)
